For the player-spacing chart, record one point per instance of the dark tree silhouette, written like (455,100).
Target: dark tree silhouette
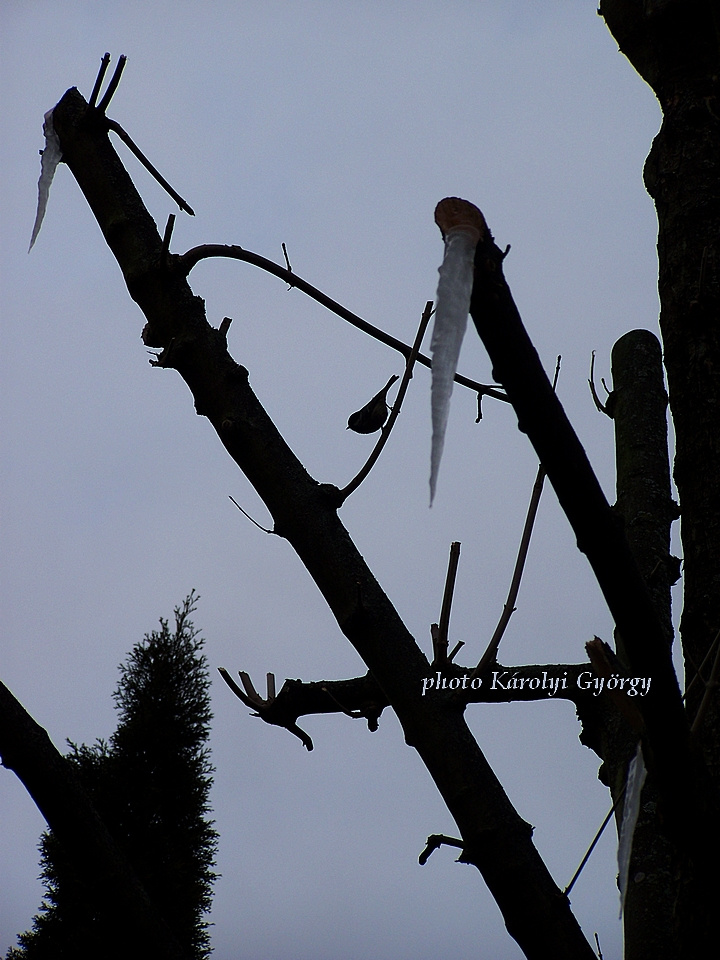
(150,784)
(671,910)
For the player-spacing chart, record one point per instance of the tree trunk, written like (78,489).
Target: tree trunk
(638,406)
(675,46)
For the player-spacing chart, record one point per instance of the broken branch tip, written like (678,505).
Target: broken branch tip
(454,213)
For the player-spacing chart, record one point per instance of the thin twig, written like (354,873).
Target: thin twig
(602,407)
(710,686)
(455,650)
(166,240)
(113,85)
(287,261)
(509,606)
(193,256)
(557,371)
(395,412)
(250,688)
(353,714)
(597,944)
(441,644)
(104,64)
(592,846)
(698,670)
(245,514)
(133,147)
(240,694)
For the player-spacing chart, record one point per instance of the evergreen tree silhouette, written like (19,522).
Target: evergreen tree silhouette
(150,784)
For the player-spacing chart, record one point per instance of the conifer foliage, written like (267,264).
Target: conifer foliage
(150,783)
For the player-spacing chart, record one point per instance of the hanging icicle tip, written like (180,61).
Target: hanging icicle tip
(51,157)
(462,226)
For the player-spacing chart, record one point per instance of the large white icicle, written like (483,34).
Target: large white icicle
(631,809)
(51,157)
(461,224)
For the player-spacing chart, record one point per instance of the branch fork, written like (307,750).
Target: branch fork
(267,709)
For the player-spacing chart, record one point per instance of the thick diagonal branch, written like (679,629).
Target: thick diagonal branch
(496,839)
(689,805)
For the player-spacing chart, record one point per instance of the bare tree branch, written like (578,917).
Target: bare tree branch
(188,260)
(497,841)
(682,782)
(395,412)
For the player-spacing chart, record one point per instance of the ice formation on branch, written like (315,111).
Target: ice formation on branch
(631,808)
(462,225)
(51,157)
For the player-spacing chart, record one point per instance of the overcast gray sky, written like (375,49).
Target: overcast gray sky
(335,129)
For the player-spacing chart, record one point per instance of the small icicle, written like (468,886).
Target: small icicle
(51,157)
(462,225)
(631,809)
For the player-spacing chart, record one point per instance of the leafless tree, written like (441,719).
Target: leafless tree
(671,907)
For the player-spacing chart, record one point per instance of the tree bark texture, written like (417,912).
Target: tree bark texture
(675,47)
(495,838)
(638,406)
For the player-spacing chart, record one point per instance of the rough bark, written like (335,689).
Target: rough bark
(675,47)
(495,838)
(638,406)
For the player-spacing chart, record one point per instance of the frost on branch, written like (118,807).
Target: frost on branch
(462,225)
(51,157)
